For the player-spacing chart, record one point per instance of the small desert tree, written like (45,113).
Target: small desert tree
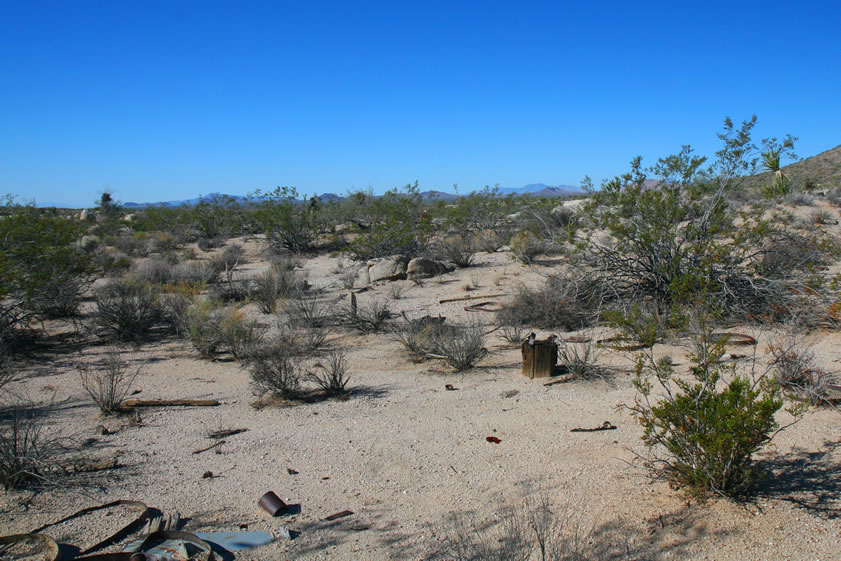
(289,224)
(395,224)
(675,239)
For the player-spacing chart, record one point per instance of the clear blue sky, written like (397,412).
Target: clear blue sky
(168,100)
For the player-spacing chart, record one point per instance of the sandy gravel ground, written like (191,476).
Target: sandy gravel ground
(404,454)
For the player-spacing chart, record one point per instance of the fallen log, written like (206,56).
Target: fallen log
(206,448)
(129,403)
(445,300)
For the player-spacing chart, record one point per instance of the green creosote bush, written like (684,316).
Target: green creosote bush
(704,432)
(289,224)
(395,224)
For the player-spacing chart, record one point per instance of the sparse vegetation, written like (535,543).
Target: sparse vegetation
(29,447)
(108,384)
(330,374)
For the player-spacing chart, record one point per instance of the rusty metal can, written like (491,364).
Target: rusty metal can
(272,504)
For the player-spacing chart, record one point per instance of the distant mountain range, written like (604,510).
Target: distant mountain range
(532,190)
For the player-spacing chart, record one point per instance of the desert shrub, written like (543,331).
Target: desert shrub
(822,216)
(272,285)
(164,242)
(209,244)
(458,249)
(283,263)
(794,366)
(155,271)
(239,335)
(834,196)
(193,273)
(228,259)
(460,346)
(232,288)
(213,329)
(640,325)
(580,360)
(277,371)
(708,428)
(127,311)
(330,374)
(174,310)
(109,384)
(679,242)
(526,246)
(137,245)
(29,447)
(395,224)
(61,298)
(370,316)
(566,302)
(534,531)
(42,265)
(491,240)
(289,224)
(416,334)
(309,311)
(111,261)
(203,327)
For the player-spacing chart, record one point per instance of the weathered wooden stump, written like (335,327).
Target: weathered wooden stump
(539,357)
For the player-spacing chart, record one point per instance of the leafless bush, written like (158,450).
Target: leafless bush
(277,371)
(127,310)
(370,316)
(155,271)
(229,258)
(822,216)
(134,246)
(233,288)
(7,371)
(794,366)
(581,359)
(491,240)
(284,263)
(110,384)
(834,196)
(564,302)
(460,346)
(331,373)
(196,273)
(239,335)
(29,448)
(535,531)
(309,311)
(396,290)
(272,285)
(61,299)
(458,249)
(174,309)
